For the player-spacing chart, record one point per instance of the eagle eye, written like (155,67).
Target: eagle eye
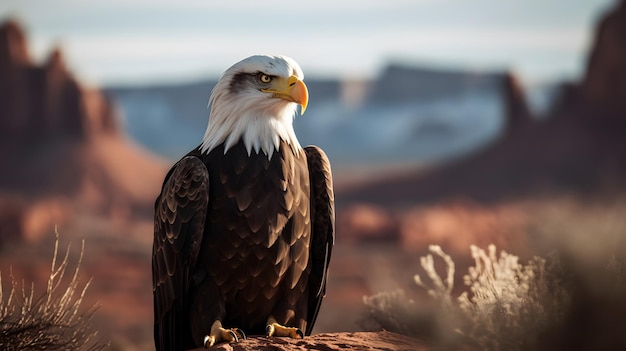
(264,78)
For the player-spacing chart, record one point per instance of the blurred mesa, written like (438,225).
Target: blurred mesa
(577,151)
(62,147)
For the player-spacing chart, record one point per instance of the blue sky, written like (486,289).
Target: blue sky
(135,42)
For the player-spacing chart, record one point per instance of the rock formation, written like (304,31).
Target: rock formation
(60,142)
(11,220)
(574,150)
(45,101)
(516,111)
(399,84)
(604,86)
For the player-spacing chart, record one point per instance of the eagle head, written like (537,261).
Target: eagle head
(255,101)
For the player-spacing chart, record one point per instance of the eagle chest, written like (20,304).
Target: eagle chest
(257,236)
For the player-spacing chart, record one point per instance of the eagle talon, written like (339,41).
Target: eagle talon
(208,341)
(240,334)
(219,334)
(234,335)
(275,329)
(269,330)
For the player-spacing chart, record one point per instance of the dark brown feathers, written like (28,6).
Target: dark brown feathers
(239,238)
(179,216)
(323,227)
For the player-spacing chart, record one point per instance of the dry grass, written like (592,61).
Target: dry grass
(506,305)
(52,320)
(510,305)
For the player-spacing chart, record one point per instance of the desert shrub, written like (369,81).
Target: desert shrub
(52,320)
(508,305)
(393,310)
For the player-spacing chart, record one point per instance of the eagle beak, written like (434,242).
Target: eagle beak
(292,89)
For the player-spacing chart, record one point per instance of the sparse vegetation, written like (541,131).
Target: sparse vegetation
(510,305)
(506,305)
(52,320)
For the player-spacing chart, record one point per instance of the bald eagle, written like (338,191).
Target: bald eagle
(244,224)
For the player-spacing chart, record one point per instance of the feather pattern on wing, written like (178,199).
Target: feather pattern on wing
(323,228)
(179,217)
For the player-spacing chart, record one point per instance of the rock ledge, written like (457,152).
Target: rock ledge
(383,340)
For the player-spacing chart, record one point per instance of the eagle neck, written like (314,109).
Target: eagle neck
(259,132)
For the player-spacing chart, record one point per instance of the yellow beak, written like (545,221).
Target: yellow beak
(291,89)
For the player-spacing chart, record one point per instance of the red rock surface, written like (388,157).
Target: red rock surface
(366,223)
(375,341)
(456,226)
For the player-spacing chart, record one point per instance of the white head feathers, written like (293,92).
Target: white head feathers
(239,110)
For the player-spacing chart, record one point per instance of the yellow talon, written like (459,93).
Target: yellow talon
(273,328)
(219,334)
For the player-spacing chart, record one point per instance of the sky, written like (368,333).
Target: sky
(112,42)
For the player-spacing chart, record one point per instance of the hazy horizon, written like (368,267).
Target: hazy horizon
(118,42)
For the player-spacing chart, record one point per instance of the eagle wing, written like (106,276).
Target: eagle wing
(322,228)
(179,217)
